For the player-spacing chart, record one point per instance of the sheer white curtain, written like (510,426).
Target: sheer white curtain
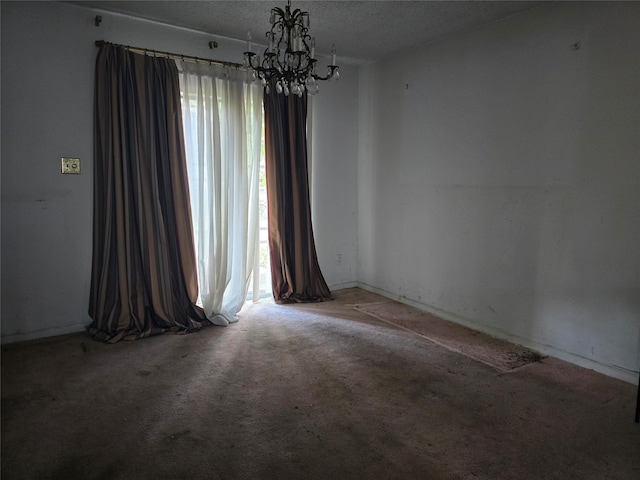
(222,116)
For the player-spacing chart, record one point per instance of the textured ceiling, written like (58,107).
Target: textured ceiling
(362,31)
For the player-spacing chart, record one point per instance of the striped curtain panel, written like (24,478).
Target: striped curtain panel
(295,272)
(143,278)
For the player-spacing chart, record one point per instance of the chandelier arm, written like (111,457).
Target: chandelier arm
(333,69)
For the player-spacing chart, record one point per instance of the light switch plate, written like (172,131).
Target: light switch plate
(70,165)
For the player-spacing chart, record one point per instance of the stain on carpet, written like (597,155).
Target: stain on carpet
(500,354)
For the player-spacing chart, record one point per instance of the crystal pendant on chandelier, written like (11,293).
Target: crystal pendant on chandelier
(289,60)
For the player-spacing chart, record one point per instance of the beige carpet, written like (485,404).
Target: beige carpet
(311,392)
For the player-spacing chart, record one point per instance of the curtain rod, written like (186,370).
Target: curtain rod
(176,56)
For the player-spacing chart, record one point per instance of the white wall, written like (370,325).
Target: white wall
(48,58)
(334,170)
(499,181)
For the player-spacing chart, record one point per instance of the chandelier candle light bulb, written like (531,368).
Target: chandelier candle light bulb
(290,59)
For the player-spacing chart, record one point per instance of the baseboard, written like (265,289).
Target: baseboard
(44,333)
(614,371)
(342,286)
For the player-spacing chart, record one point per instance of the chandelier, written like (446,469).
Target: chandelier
(290,56)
